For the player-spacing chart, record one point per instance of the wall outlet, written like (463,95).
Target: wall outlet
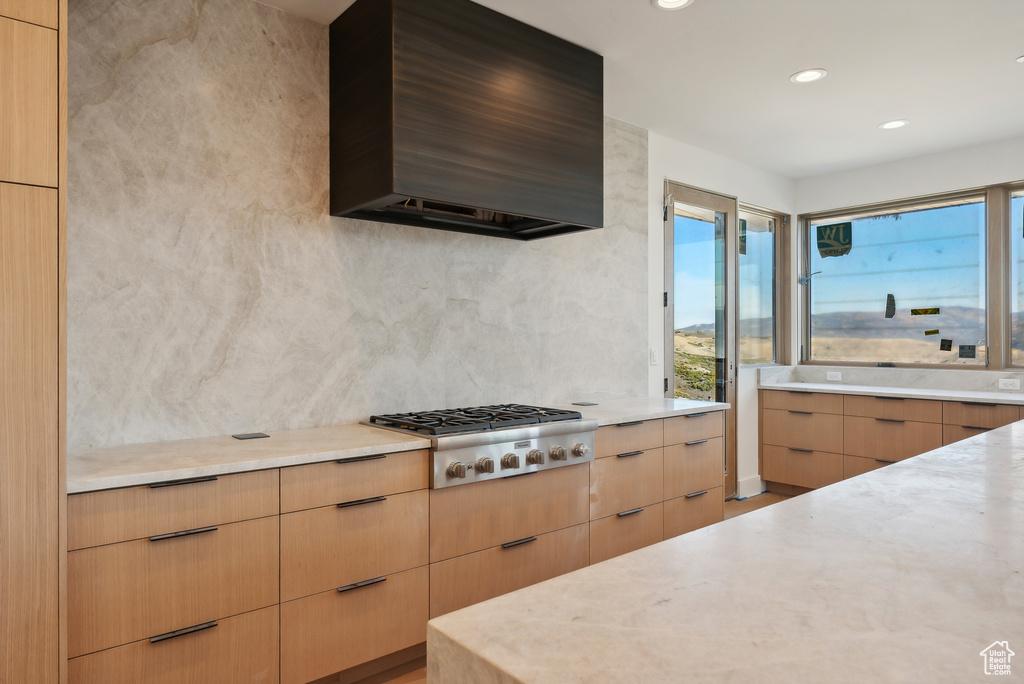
(1009,384)
(833,376)
(654,357)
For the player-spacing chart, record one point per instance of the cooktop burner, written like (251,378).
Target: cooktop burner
(476,419)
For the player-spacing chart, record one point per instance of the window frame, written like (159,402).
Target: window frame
(996,278)
(780,313)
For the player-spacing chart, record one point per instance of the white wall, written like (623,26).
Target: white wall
(672,160)
(970,167)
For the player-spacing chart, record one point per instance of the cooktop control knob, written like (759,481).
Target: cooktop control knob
(535,457)
(485,465)
(509,461)
(579,450)
(558,453)
(456,469)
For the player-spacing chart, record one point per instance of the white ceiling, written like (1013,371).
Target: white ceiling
(716,74)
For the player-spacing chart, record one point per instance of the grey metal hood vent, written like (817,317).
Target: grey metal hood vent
(449,115)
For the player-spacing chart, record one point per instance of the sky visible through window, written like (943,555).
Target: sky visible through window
(928,259)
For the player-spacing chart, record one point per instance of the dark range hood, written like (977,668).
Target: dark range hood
(449,115)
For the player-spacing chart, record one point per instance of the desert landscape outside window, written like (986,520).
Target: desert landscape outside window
(756,287)
(904,285)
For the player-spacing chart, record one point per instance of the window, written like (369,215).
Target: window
(1017,278)
(902,285)
(756,287)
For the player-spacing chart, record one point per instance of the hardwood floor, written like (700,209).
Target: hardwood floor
(752,503)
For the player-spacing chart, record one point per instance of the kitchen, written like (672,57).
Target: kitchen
(196,218)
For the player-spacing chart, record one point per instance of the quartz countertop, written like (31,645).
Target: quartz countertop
(905,392)
(136,464)
(616,411)
(903,574)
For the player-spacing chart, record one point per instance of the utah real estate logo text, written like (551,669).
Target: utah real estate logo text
(997,658)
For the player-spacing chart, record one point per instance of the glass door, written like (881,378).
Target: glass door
(700,312)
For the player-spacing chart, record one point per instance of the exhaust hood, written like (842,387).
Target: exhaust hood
(447,114)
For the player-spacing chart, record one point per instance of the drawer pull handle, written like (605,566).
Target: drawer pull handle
(889,420)
(882,460)
(696,494)
(696,441)
(802,413)
(360,585)
(795,392)
(360,502)
(974,427)
(629,453)
(802,451)
(635,422)
(182,632)
(623,514)
(183,533)
(695,415)
(891,398)
(186,481)
(977,403)
(518,542)
(360,459)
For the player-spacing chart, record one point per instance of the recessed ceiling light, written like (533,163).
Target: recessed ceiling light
(671,4)
(808,76)
(897,123)
(1021,59)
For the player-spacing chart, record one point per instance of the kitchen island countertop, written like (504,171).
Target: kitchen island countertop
(903,574)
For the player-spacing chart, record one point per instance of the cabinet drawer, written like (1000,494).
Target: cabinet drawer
(463,581)
(622,533)
(486,514)
(695,426)
(889,440)
(612,440)
(28,108)
(955,433)
(42,12)
(692,467)
(818,402)
(116,515)
(326,548)
(336,630)
(803,430)
(134,590)
(895,408)
(855,465)
(325,484)
(811,469)
(689,513)
(967,414)
(238,650)
(626,481)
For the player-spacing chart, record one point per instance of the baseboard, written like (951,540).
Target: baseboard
(748,487)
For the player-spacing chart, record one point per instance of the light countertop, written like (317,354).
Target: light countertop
(903,574)
(905,392)
(138,464)
(135,464)
(617,411)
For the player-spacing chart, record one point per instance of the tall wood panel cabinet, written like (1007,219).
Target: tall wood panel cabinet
(33,71)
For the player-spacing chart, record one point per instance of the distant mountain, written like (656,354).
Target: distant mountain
(961,322)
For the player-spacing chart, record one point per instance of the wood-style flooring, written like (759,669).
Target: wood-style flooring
(404,675)
(752,503)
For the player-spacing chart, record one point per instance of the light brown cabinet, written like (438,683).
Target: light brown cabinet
(338,629)
(28,107)
(42,12)
(861,433)
(643,490)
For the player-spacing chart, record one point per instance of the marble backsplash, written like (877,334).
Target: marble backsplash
(209,292)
